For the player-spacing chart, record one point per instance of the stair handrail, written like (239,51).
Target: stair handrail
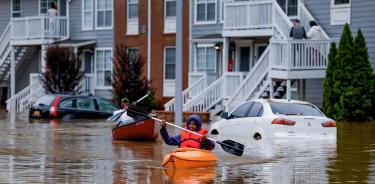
(207,98)
(4,40)
(304,12)
(13,101)
(198,85)
(251,81)
(281,20)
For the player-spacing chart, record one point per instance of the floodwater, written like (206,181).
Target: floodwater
(83,152)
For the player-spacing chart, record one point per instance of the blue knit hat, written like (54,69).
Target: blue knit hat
(196,119)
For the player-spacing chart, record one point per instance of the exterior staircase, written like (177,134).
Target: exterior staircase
(275,62)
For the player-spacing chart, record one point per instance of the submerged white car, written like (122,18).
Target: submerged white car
(274,118)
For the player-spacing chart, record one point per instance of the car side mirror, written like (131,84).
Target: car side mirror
(224,115)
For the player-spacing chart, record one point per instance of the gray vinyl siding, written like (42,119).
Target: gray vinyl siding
(314,91)
(202,30)
(5,14)
(362,16)
(30,65)
(104,38)
(29,8)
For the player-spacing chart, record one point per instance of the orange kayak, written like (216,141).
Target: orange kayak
(189,158)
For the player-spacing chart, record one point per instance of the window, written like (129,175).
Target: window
(132,9)
(170,8)
(87,14)
(85,104)
(104,9)
(67,104)
(242,110)
(16,8)
(206,59)
(294,109)
(339,2)
(103,67)
(256,110)
(106,106)
(205,11)
(45,5)
(170,63)
(290,7)
(133,52)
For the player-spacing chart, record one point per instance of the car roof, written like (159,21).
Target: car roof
(267,100)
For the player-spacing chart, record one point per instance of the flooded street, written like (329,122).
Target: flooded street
(83,152)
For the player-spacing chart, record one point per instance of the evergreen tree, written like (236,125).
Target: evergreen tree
(343,75)
(329,97)
(356,101)
(128,79)
(63,71)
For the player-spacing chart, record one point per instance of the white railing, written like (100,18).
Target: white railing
(87,84)
(251,82)
(4,42)
(281,20)
(26,97)
(214,93)
(189,93)
(300,54)
(305,18)
(39,27)
(247,15)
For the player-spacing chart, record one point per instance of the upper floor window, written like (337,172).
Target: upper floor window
(170,8)
(205,11)
(170,63)
(133,9)
(16,8)
(104,12)
(206,58)
(290,7)
(87,14)
(342,2)
(45,5)
(103,67)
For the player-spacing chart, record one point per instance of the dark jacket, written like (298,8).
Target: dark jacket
(297,32)
(176,140)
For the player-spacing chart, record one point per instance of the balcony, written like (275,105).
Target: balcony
(38,30)
(248,18)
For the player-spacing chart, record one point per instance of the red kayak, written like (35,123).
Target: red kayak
(141,130)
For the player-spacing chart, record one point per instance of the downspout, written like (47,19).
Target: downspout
(149,40)
(191,55)
(68,18)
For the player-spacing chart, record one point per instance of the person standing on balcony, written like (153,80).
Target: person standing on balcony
(297,31)
(315,31)
(52,13)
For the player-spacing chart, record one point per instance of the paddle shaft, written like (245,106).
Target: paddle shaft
(195,133)
(148,93)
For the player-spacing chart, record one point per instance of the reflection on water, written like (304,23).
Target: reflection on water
(82,151)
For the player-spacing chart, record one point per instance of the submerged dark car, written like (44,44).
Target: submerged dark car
(72,107)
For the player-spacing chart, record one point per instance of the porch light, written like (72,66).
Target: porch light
(217,46)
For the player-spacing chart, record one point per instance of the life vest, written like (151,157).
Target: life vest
(190,140)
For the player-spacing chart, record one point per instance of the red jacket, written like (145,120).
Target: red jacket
(190,140)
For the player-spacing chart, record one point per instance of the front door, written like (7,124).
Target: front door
(88,62)
(244,59)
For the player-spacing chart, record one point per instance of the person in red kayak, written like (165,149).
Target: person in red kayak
(187,139)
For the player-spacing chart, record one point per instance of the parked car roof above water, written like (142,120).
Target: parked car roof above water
(71,106)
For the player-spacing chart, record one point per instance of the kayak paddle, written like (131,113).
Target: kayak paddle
(228,146)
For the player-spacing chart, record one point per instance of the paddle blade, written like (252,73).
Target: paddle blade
(232,147)
(137,112)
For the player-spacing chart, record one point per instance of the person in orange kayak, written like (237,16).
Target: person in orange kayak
(187,139)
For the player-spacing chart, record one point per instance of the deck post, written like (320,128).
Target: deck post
(271,87)
(12,71)
(288,89)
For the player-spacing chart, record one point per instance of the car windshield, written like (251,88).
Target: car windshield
(294,109)
(45,100)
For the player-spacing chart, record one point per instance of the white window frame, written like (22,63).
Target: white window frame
(131,22)
(96,17)
(95,66)
(340,8)
(90,28)
(48,6)
(169,81)
(12,11)
(196,56)
(170,21)
(196,13)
